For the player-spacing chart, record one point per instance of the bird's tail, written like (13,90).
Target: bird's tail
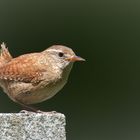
(5,55)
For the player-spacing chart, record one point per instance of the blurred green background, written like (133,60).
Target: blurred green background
(101,99)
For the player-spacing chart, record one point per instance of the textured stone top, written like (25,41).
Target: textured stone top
(32,126)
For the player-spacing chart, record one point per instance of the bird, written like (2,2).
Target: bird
(35,77)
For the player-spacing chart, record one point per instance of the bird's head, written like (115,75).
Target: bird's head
(62,56)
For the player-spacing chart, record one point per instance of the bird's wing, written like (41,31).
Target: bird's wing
(24,68)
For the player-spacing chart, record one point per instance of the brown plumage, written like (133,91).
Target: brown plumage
(23,68)
(35,77)
(5,56)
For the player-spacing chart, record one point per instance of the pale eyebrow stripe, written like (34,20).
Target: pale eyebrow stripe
(54,50)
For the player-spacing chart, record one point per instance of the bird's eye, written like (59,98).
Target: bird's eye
(61,54)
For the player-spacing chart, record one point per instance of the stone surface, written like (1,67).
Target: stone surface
(32,126)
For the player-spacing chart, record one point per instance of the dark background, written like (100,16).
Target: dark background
(101,99)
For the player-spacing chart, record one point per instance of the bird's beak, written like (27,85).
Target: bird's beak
(75,58)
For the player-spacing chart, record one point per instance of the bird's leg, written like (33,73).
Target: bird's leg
(27,107)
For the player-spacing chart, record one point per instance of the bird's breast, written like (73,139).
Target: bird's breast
(44,93)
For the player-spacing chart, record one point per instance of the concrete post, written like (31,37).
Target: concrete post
(32,126)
